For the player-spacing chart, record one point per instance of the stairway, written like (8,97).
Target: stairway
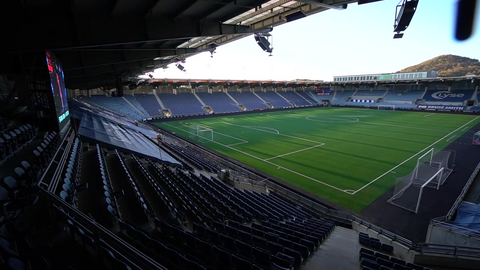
(199,99)
(159,101)
(135,107)
(236,102)
(309,102)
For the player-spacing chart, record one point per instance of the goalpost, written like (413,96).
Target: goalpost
(201,134)
(431,171)
(386,107)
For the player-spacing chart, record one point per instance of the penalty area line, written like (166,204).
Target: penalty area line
(293,152)
(418,153)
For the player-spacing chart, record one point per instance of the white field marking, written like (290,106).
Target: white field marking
(465,128)
(271,163)
(331,119)
(280,134)
(419,152)
(349,191)
(237,143)
(281,167)
(293,152)
(450,138)
(389,125)
(226,135)
(260,127)
(430,114)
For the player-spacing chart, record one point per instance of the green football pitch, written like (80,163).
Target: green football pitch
(348,156)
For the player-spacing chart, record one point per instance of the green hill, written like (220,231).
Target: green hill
(448,66)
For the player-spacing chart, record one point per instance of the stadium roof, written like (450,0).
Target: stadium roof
(100,40)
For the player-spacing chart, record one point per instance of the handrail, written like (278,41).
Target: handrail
(425,248)
(465,189)
(457,229)
(102,235)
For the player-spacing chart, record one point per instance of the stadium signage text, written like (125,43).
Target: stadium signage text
(446,94)
(441,107)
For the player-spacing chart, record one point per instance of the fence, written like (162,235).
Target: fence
(465,189)
(436,249)
(438,222)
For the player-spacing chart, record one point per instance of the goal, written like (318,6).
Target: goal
(201,134)
(429,172)
(386,107)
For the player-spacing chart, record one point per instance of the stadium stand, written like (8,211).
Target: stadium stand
(150,104)
(136,104)
(308,95)
(219,102)
(249,100)
(274,99)
(365,94)
(340,97)
(116,104)
(295,98)
(182,103)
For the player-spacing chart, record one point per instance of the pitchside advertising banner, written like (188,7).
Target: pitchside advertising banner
(441,107)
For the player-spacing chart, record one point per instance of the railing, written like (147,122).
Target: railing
(335,213)
(454,228)
(103,237)
(470,252)
(463,193)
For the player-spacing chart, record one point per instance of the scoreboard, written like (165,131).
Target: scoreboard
(323,91)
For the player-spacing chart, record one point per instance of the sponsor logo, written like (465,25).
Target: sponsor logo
(441,107)
(446,94)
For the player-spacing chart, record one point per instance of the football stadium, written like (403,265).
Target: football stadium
(108,161)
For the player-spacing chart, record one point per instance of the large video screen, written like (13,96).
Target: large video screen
(59,91)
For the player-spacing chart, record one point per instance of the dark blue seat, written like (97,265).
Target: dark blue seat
(244,250)
(401,267)
(381,255)
(369,263)
(415,266)
(294,254)
(387,248)
(262,257)
(282,260)
(241,263)
(397,261)
(384,262)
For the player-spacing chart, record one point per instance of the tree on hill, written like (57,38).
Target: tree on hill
(448,66)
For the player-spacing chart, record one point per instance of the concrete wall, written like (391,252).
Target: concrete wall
(443,236)
(249,186)
(447,262)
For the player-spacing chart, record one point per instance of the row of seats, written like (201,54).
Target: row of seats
(160,192)
(110,194)
(193,156)
(70,184)
(13,139)
(370,259)
(372,242)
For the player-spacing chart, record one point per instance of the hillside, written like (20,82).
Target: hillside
(448,66)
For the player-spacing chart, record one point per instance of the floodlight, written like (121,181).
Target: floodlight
(403,16)
(263,42)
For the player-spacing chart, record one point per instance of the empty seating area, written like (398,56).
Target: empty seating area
(341,96)
(249,100)
(295,98)
(219,102)
(182,103)
(366,94)
(307,96)
(274,99)
(195,157)
(137,104)
(402,96)
(149,103)
(370,259)
(116,104)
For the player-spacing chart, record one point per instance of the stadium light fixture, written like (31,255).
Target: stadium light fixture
(263,41)
(404,12)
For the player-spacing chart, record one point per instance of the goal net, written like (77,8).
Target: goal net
(201,134)
(430,171)
(386,107)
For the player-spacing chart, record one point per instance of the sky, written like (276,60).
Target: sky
(358,40)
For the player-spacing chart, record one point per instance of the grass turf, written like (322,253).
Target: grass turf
(331,152)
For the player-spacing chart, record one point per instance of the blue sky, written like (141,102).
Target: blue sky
(358,40)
